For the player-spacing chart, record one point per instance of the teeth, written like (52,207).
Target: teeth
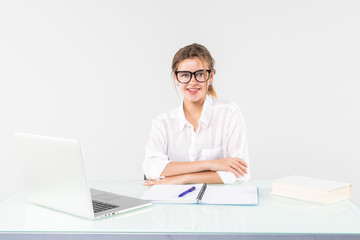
(193,90)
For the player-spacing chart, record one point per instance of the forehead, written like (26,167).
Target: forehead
(191,64)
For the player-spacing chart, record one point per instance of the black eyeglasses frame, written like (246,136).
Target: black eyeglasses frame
(191,74)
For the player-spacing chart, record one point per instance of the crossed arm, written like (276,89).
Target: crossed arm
(199,171)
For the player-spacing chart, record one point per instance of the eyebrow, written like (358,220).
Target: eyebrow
(190,71)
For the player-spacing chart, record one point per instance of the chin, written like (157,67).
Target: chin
(195,99)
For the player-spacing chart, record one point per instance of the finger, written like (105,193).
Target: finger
(236,162)
(148,183)
(158,181)
(229,168)
(243,168)
(242,162)
(234,170)
(239,166)
(236,173)
(153,182)
(238,169)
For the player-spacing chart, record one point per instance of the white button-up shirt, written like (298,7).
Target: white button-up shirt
(221,133)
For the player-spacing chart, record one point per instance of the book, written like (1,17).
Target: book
(203,194)
(311,189)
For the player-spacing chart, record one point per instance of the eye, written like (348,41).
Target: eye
(184,75)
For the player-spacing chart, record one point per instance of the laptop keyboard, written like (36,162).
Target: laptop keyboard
(101,206)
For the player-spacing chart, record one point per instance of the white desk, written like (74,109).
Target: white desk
(274,218)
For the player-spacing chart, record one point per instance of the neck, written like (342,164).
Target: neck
(193,110)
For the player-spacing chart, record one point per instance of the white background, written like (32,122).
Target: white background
(100,71)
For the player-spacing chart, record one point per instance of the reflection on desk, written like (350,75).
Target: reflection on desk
(273,216)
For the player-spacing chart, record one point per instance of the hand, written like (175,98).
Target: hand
(179,179)
(235,165)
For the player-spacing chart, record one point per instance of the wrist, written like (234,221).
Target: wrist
(184,178)
(210,165)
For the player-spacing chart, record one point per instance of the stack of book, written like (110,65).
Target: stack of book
(311,189)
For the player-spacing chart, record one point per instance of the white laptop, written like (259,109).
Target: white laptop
(55,177)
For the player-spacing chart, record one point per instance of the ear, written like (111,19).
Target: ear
(174,77)
(211,77)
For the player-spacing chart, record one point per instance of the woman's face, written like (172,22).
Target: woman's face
(193,91)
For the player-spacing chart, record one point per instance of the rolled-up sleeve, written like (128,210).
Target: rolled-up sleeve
(155,152)
(237,147)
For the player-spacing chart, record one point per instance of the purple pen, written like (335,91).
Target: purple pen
(187,191)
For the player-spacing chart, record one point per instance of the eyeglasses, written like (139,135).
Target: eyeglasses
(185,76)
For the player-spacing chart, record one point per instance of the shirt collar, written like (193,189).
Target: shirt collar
(205,114)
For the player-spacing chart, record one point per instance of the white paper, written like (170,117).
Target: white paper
(170,193)
(241,195)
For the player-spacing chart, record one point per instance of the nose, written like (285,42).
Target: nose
(192,79)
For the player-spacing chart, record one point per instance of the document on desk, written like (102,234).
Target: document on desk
(203,194)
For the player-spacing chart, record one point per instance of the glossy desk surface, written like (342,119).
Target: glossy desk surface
(273,215)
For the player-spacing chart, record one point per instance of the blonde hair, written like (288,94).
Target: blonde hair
(192,51)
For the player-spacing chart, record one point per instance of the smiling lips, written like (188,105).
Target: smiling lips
(193,90)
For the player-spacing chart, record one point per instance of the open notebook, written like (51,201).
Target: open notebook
(203,194)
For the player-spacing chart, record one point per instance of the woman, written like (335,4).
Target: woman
(204,139)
